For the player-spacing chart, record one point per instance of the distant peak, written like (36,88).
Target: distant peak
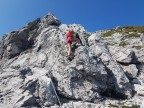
(51,14)
(50,19)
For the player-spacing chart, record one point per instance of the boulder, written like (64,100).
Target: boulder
(123,55)
(131,71)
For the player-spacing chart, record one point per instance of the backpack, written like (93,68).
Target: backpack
(78,37)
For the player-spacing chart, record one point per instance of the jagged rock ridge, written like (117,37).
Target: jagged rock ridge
(35,71)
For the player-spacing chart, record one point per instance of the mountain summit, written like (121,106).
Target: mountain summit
(35,72)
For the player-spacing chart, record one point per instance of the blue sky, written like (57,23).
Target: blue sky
(92,14)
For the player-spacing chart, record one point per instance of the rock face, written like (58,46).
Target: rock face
(35,71)
(16,42)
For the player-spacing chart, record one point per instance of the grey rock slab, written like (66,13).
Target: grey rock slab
(131,71)
(99,49)
(123,55)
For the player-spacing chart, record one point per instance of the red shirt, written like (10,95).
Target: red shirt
(69,34)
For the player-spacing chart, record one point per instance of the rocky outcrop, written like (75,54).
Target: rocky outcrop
(118,79)
(35,71)
(16,42)
(48,20)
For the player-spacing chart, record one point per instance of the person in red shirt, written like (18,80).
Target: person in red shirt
(71,38)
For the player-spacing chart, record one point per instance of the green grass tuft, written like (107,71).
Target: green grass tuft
(138,47)
(133,106)
(133,35)
(142,62)
(123,44)
(108,33)
(123,106)
(125,31)
(113,106)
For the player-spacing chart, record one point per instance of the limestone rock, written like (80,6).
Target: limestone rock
(48,20)
(18,41)
(123,55)
(35,72)
(99,49)
(131,71)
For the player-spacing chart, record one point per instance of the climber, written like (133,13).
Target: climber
(72,37)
